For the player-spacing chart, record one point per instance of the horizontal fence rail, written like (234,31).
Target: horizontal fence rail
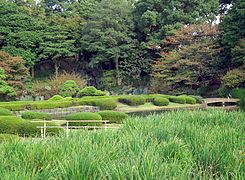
(67,127)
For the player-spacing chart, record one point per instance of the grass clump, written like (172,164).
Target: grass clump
(174,145)
(83,116)
(56,98)
(5,112)
(35,115)
(160,101)
(8,137)
(113,116)
(132,100)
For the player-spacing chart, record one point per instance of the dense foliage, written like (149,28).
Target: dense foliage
(120,45)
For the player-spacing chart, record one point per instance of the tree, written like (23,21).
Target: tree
(5,90)
(190,61)
(108,36)
(16,72)
(20,32)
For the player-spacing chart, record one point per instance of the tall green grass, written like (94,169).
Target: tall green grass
(173,145)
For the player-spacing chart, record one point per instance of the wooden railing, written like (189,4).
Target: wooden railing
(67,127)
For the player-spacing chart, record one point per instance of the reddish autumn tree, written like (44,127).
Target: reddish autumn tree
(15,70)
(189,62)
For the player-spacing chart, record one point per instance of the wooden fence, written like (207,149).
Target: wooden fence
(67,127)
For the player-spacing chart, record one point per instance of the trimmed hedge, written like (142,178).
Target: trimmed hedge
(199,99)
(83,116)
(90,91)
(132,100)
(56,98)
(5,112)
(113,116)
(177,99)
(238,93)
(189,100)
(22,127)
(35,115)
(151,97)
(160,101)
(241,104)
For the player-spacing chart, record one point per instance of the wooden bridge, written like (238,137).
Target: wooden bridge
(224,103)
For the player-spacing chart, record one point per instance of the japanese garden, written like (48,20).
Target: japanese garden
(122,89)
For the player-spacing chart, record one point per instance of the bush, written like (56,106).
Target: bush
(132,100)
(22,127)
(159,101)
(8,137)
(83,116)
(27,128)
(103,104)
(56,98)
(151,97)
(241,104)
(35,115)
(69,89)
(189,100)
(113,116)
(199,99)
(177,99)
(67,99)
(9,124)
(5,112)
(238,93)
(90,91)
(51,87)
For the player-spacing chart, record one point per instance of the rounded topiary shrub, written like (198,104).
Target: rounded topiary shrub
(113,116)
(28,128)
(132,100)
(199,99)
(189,100)
(160,101)
(35,115)
(5,112)
(177,99)
(67,99)
(9,124)
(56,98)
(105,104)
(69,89)
(90,91)
(83,116)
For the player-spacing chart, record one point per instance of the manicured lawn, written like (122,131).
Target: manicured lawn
(151,107)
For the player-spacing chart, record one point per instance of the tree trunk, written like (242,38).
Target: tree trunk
(56,67)
(119,81)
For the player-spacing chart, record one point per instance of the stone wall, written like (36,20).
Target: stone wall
(61,112)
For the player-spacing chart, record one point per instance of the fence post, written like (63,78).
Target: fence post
(67,129)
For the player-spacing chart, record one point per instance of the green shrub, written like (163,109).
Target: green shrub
(9,124)
(69,89)
(132,100)
(105,104)
(238,93)
(90,91)
(35,115)
(83,116)
(22,127)
(67,99)
(28,128)
(159,101)
(5,112)
(189,100)
(113,116)
(199,99)
(151,97)
(241,104)
(177,99)
(8,137)
(56,98)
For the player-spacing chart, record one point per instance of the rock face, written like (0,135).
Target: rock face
(62,112)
